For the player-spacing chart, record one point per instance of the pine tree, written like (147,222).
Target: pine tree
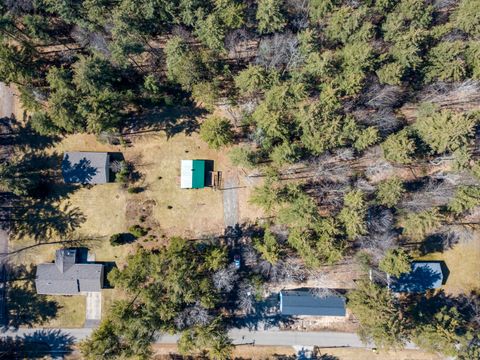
(395,262)
(417,225)
(390,191)
(216,132)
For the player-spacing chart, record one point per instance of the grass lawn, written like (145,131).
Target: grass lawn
(71,311)
(463,263)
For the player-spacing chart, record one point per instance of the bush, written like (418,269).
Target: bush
(123,174)
(135,189)
(137,231)
(121,239)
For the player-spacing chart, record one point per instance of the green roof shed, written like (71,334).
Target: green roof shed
(192,174)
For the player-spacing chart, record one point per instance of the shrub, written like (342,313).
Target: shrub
(135,189)
(137,231)
(123,174)
(121,239)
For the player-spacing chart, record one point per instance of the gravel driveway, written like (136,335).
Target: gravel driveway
(230,200)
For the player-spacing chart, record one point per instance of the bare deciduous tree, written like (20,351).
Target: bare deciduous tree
(246,298)
(193,315)
(224,279)
(279,51)
(433,193)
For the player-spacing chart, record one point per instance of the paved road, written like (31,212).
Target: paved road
(243,336)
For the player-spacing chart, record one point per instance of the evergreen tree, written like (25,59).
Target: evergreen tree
(183,66)
(269,16)
(379,314)
(444,130)
(353,214)
(399,148)
(216,132)
(466,198)
(395,262)
(268,247)
(390,191)
(417,225)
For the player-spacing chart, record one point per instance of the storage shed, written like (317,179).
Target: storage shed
(193,174)
(302,302)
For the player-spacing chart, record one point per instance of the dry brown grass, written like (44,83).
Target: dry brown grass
(71,312)
(463,263)
(364,354)
(268,352)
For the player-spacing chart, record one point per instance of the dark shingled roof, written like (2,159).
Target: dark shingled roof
(423,276)
(86,167)
(66,277)
(302,302)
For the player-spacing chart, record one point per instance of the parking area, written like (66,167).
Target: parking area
(93,311)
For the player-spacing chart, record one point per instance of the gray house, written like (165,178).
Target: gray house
(66,276)
(86,167)
(302,302)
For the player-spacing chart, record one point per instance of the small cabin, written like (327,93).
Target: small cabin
(84,167)
(423,276)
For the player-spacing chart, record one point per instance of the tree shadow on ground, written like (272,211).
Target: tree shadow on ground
(27,308)
(172,120)
(263,317)
(15,133)
(24,307)
(439,242)
(43,220)
(37,345)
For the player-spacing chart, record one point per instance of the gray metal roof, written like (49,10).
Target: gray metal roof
(424,275)
(302,302)
(55,279)
(86,167)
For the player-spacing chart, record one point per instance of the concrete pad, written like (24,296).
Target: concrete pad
(94,306)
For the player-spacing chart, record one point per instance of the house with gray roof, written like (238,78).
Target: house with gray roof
(82,167)
(68,276)
(301,302)
(424,275)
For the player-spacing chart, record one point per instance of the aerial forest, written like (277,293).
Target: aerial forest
(362,118)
